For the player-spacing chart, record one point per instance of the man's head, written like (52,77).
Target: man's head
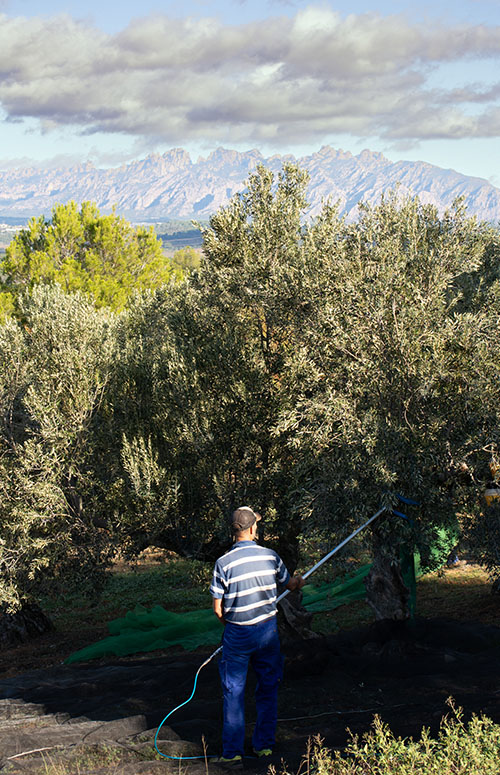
(244,522)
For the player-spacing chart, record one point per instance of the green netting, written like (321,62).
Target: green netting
(329,596)
(146,630)
(143,630)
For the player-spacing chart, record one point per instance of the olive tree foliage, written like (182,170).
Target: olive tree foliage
(400,374)
(199,376)
(313,371)
(178,403)
(103,256)
(257,272)
(53,370)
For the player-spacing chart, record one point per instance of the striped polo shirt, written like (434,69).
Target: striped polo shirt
(247,578)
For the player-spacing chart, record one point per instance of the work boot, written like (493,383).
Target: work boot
(233,763)
(263,753)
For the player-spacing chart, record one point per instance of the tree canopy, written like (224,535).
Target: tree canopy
(103,256)
(401,374)
(54,371)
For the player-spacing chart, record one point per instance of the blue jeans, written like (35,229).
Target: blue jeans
(257,644)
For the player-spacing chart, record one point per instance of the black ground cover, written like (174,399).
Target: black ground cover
(403,672)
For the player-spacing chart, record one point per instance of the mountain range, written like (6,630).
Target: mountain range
(171,185)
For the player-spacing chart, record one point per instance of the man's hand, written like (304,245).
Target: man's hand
(217,606)
(296,582)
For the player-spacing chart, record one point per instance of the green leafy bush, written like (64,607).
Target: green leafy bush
(459,749)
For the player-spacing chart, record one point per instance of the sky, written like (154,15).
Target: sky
(110,82)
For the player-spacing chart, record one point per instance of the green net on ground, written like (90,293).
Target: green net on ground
(143,630)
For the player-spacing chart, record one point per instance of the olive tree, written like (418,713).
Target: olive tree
(180,411)
(257,274)
(53,370)
(400,375)
(199,376)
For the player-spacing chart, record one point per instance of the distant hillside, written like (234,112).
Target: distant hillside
(173,186)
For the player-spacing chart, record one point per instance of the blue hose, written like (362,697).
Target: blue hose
(180,706)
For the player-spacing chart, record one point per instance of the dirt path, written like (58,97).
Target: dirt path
(100,717)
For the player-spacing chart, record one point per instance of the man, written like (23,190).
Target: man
(246,582)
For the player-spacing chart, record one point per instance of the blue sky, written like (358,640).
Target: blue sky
(113,82)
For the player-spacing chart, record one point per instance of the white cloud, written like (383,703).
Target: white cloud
(279,80)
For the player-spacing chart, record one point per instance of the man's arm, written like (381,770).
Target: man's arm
(295,582)
(217,606)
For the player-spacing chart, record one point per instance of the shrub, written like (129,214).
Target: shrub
(459,749)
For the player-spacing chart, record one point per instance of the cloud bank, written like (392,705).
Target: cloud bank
(277,81)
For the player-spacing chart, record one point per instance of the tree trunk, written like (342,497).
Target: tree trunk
(26,624)
(386,592)
(288,541)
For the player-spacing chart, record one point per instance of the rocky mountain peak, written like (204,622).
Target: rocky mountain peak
(170,185)
(223,158)
(369,157)
(328,153)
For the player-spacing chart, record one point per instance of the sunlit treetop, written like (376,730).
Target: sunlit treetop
(103,256)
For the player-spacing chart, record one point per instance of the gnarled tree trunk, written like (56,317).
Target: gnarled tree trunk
(24,625)
(386,592)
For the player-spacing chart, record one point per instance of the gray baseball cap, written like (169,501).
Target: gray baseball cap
(243,518)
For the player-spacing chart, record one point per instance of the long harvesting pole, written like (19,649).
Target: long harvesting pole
(337,548)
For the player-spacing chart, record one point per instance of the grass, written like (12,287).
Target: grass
(85,759)
(154,579)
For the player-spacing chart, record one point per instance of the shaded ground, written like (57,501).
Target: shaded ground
(403,673)
(100,718)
